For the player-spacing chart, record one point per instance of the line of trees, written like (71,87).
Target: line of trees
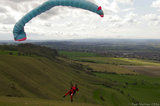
(30,49)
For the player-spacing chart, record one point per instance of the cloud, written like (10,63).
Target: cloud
(109,7)
(125,1)
(7,19)
(131,18)
(2,10)
(152,19)
(21,5)
(128,9)
(17,1)
(156,4)
(113,6)
(116,21)
(59,10)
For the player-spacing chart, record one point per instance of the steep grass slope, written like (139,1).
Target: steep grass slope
(40,77)
(138,88)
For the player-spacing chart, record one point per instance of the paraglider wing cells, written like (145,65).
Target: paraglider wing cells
(18,31)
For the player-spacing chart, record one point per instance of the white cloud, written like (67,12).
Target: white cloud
(125,1)
(114,7)
(152,19)
(131,18)
(156,4)
(128,9)
(2,10)
(6,18)
(108,6)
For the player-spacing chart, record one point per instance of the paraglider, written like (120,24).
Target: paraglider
(18,30)
(72,91)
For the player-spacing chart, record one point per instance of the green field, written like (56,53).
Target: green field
(94,58)
(6,52)
(117,61)
(77,54)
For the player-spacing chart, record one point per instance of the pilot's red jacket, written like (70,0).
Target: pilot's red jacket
(72,91)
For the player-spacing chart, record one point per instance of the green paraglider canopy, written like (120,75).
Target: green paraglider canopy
(18,31)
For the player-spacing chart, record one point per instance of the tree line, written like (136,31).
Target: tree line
(28,49)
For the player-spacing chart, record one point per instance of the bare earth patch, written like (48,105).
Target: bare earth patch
(146,70)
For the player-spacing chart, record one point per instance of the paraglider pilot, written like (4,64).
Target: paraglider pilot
(72,91)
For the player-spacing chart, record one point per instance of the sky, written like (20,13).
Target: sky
(133,19)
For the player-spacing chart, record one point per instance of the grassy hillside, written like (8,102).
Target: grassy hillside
(139,88)
(40,77)
(24,76)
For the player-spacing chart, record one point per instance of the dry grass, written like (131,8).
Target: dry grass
(108,68)
(100,67)
(146,70)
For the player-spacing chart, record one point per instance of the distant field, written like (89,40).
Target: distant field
(108,68)
(116,65)
(140,61)
(123,65)
(99,67)
(92,57)
(118,61)
(146,70)
(77,54)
